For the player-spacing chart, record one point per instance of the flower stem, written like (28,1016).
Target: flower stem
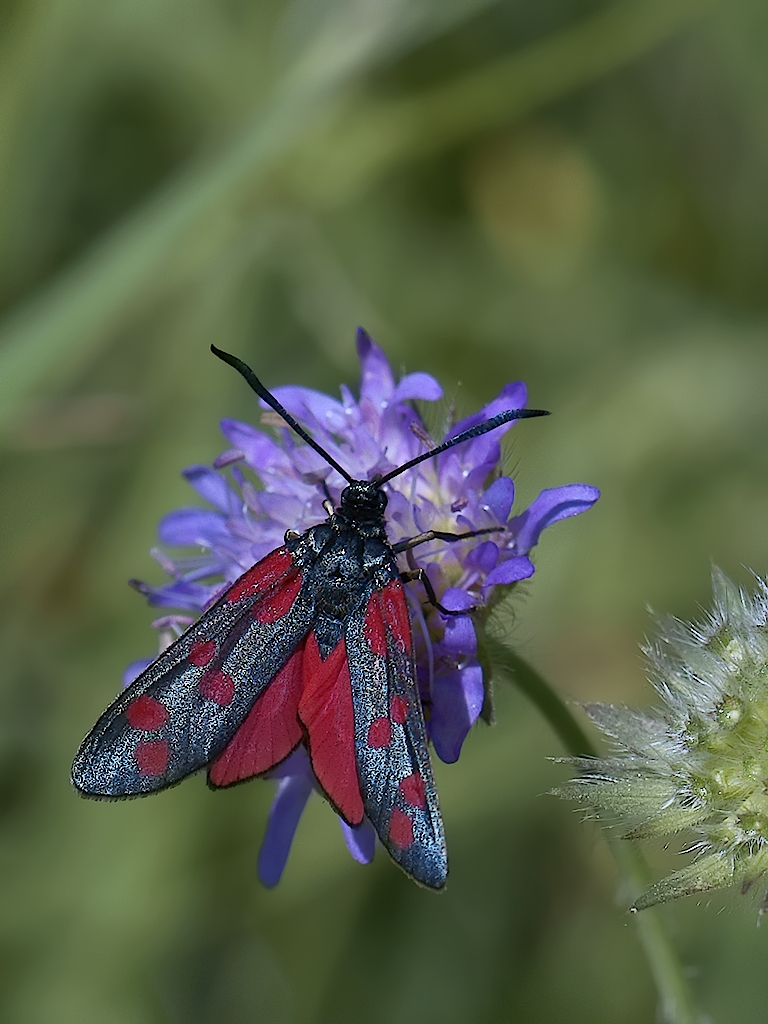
(677,1004)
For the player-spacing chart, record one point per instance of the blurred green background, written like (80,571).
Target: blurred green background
(572,192)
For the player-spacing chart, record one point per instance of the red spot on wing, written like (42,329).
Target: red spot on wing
(396,614)
(218,687)
(262,575)
(152,756)
(374,626)
(279,602)
(146,713)
(412,788)
(380,732)
(202,652)
(400,829)
(326,710)
(398,709)
(270,731)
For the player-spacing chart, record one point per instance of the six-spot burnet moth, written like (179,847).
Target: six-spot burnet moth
(312,644)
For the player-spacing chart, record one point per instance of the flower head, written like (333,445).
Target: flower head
(699,763)
(265,484)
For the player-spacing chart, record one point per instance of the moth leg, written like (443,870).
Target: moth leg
(328,505)
(420,574)
(422,538)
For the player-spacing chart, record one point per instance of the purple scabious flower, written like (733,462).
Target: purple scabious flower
(263,485)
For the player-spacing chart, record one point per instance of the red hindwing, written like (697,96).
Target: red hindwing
(326,711)
(270,731)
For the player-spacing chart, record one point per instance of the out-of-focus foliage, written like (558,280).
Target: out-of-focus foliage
(568,191)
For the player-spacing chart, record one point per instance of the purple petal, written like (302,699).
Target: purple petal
(459,637)
(227,458)
(426,515)
(484,557)
(400,516)
(347,398)
(173,624)
(290,800)
(361,453)
(261,452)
(192,526)
(417,385)
(210,486)
(499,498)
(283,509)
(297,763)
(514,569)
(456,600)
(551,505)
(308,404)
(396,438)
(484,451)
(310,465)
(134,670)
(457,700)
(377,384)
(360,840)
(511,396)
(180,594)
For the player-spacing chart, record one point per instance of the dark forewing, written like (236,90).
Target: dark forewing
(184,709)
(396,780)
(270,731)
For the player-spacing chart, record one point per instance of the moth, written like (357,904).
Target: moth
(312,644)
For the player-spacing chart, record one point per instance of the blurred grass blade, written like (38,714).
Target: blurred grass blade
(51,337)
(368,141)
(412,23)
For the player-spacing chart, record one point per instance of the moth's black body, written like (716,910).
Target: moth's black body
(350,557)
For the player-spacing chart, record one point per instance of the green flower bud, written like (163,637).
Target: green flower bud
(699,762)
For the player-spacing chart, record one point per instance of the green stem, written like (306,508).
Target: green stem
(677,1004)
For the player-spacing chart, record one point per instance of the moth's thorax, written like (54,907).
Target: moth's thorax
(342,567)
(362,506)
(344,559)
(346,567)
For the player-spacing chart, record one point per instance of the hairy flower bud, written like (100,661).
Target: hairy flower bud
(699,762)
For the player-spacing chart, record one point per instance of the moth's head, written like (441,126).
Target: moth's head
(363,501)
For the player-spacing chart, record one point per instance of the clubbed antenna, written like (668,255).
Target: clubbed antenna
(482,428)
(245,371)
(465,435)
